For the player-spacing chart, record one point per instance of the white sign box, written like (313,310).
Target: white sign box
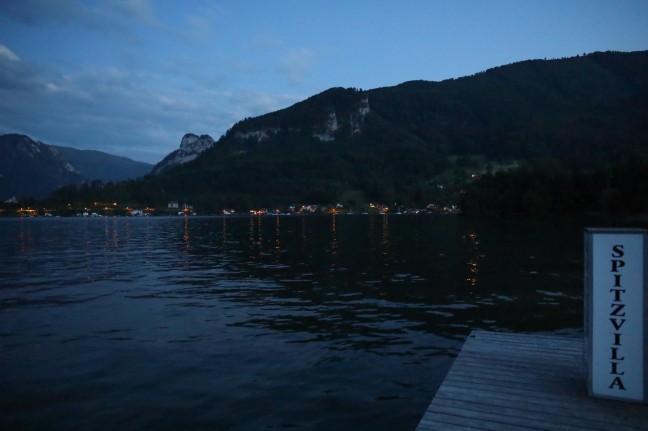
(615,313)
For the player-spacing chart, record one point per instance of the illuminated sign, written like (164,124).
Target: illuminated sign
(615,313)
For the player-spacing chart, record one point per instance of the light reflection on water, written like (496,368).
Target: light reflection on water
(331,322)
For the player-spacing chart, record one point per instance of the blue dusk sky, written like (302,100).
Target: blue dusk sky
(131,77)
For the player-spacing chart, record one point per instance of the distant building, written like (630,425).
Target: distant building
(173,204)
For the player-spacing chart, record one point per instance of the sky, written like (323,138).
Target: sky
(131,77)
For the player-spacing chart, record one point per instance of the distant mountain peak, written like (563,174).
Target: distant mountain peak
(191,146)
(191,143)
(33,168)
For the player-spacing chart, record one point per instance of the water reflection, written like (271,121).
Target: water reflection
(334,242)
(225,319)
(24,235)
(106,234)
(302,243)
(277,237)
(474,257)
(385,234)
(256,230)
(224,232)
(185,234)
(438,284)
(386,258)
(327,278)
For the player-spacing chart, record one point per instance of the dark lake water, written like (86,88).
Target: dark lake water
(248,323)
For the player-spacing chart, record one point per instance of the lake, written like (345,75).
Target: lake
(263,323)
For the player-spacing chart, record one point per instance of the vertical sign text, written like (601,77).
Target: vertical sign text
(617,283)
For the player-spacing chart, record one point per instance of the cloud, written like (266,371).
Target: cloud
(265,41)
(140,11)
(38,12)
(7,54)
(108,109)
(120,19)
(127,98)
(202,28)
(189,29)
(62,13)
(296,65)
(129,112)
(18,76)
(244,104)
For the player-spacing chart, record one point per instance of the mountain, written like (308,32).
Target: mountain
(420,142)
(97,165)
(31,168)
(191,146)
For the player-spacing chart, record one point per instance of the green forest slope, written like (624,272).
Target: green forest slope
(576,119)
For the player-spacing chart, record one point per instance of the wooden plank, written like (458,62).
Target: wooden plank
(540,339)
(508,416)
(520,393)
(580,410)
(631,411)
(531,351)
(520,349)
(526,414)
(493,420)
(440,417)
(500,369)
(446,424)
(525,337)
(515,380)
(505,381)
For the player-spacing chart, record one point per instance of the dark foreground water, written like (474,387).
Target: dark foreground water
(248,323)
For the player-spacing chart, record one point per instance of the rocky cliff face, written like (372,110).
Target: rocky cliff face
(191,147)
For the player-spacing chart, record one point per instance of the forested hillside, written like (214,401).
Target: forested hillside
(422,142)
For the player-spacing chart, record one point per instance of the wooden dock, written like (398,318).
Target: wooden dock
(503,381)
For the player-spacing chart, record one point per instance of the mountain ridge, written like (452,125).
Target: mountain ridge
(102,166)
(569,109)
(419,141)
(30,168)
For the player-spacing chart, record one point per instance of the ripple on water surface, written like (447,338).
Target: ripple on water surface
(251,323)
